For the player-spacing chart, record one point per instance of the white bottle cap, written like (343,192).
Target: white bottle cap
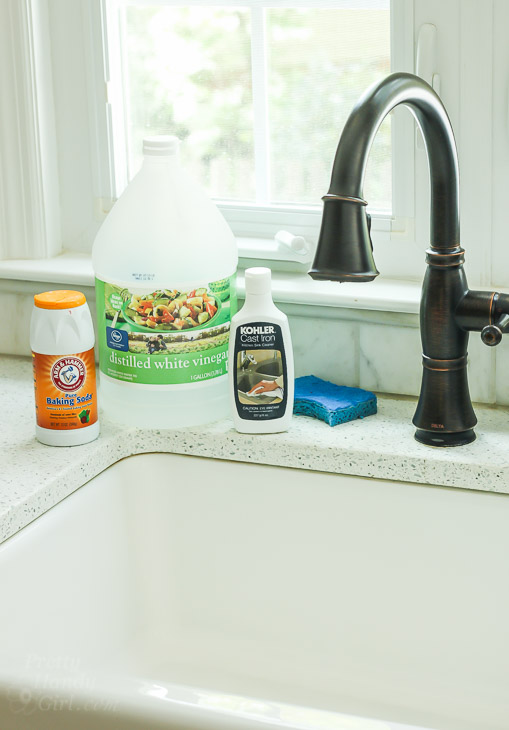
(258,280)
(162,144)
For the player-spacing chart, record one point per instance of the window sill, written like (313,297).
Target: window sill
(384,295)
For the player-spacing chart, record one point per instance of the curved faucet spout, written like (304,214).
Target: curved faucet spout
(449,309)
(360,129)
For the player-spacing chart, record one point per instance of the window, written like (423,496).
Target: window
(68,148)
(257,91)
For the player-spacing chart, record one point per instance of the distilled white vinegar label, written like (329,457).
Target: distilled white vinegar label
(169,336)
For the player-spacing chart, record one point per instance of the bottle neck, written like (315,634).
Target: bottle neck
(259,302)
(167,161)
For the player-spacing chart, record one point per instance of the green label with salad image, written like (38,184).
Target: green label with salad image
(165,336)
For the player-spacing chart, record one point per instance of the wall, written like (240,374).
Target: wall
(379,351)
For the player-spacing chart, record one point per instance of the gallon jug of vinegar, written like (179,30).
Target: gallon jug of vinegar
(165,262)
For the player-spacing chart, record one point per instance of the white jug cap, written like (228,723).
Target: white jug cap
(258,280)
(161,144)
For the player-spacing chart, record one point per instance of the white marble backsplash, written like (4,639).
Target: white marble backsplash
(374,350)
(390,359)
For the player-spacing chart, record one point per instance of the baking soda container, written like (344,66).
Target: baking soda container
(62,342)
(165,263)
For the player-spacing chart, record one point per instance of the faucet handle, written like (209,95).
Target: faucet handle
(492,333)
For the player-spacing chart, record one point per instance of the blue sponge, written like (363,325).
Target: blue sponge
(331,403)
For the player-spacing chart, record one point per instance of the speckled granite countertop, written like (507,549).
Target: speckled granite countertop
(34,477)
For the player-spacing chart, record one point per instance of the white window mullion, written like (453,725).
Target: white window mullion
(260,104)
(125,89)
(115,98)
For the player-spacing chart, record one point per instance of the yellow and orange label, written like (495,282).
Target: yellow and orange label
(65,390)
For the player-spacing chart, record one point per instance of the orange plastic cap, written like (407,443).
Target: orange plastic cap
(59,299)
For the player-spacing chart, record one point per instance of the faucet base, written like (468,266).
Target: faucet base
(431,438)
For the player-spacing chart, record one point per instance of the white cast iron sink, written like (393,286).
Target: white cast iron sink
(177,592)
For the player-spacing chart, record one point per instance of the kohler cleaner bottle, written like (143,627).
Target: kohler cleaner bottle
(261,361)
(165,262)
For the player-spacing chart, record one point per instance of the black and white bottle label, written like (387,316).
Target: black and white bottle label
(260,376)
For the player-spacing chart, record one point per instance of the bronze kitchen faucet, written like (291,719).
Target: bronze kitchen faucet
(449,309)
